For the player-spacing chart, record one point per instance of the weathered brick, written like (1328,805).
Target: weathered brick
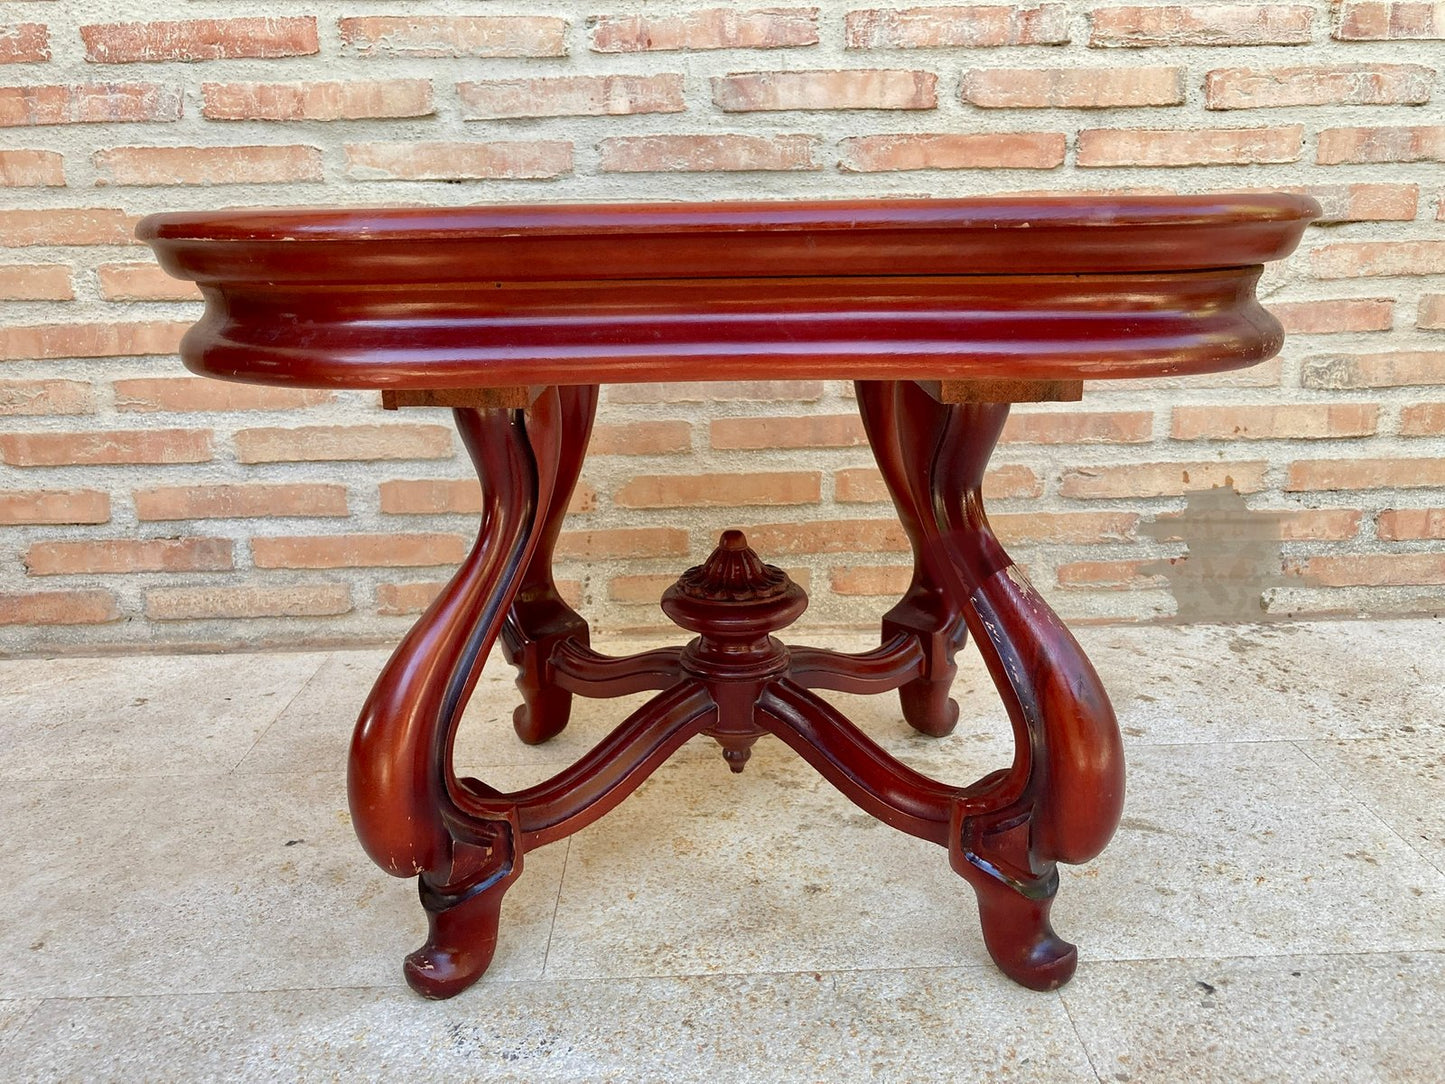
(1374,20)
(89,103)
(343,442)
(241,500)
(1365,202)
(1079,427)
(1126,575)
(185,394)
(1201,24)
(1289,525)
(1334,316)
(1072,88)
(1409,524)
(717,391)
(1307,475)
(68,226)
(1370,570)
(399,599)
(32,169)
(1161,479)
(623,542)
(200,39)
(889,580)
(1424,419)
(247,601)
(1354,146)
(207,165)
(91,340)
(719,490)
(500,160)
(1015,528)
(1190,147)
(1318,84)
(1432,312)
(359,550)
(328,100)
(53,506)
(711,28)
(35,282)
(829,536)
(571,95)
(142,282)
(810,431)
(708,153)
(58,608)
(455,36)
(859,485)
(1356,259)
(975,26)
(105,448)
(980,150)
(443,496)
(1401,368)
(129,555)
(878,88)
(1296,421)
(24,43)
(639,589)
(46,397)
(640,438)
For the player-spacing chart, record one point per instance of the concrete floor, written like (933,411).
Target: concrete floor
(181,897)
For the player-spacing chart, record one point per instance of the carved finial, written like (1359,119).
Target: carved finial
(733,573)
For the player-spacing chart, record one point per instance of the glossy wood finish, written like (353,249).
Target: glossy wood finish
(943,311)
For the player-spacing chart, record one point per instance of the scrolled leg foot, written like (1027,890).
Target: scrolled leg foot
(927,706)
(1018,935)
(461,935)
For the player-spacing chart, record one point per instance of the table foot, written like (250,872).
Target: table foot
(461,935)
(1017,933)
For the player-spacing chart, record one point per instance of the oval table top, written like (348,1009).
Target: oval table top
(1018,288)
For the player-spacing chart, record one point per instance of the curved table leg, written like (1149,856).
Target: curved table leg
(403,790)
(539,619)
(1062,798)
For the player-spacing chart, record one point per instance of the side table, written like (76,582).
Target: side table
(943,312)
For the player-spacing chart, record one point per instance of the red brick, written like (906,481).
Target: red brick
(68,226)
(184,394)
(980,26)
(1370,570)
(1190,147)
(1201,24)
(707,153)
(1365,202)
(130,555)
(46,397)
(207,165)
(646,590)
(1424,143)
(1297,421)
(32,169)
(829,536)
(200,39)
(719,490)
(1355,259)
(571,95)
(89,103)
(53,506)
(879,88)
(816,431)
(1424,419)
(623,542)
(1161,479)
(309,443)
(712,28)
(58,608)
(143,282)
(1109,575)
(247,500)
(1064,527)
(1397,369)
(889,580)
(399,599)
(35,282)
(1334,316)
(91,340)
(1072,88)
(1320,84)
(1407,524)
(247,601)
(455,36)
(1308,475)
(1079,427)
(359,551)
(500,160)
(714,391)
(442,496)
(24,43)
(105,448)
(1370,20)
(1432,312)
(330,100)
(860,485)
(982,150)
(641,438)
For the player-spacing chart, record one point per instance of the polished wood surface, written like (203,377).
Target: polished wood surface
(944,312)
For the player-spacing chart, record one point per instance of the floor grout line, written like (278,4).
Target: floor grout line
(556,906)
(1079,1036)
(325,659)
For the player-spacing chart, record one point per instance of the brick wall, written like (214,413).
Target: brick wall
(139,505)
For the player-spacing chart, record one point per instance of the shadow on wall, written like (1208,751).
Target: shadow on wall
(1232,562)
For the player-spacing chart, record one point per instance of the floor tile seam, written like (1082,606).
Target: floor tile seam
(22,1024)
(1074,1025)
(556,906)
(1367,954)
(321,665)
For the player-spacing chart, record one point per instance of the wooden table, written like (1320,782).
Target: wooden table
(943,312)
